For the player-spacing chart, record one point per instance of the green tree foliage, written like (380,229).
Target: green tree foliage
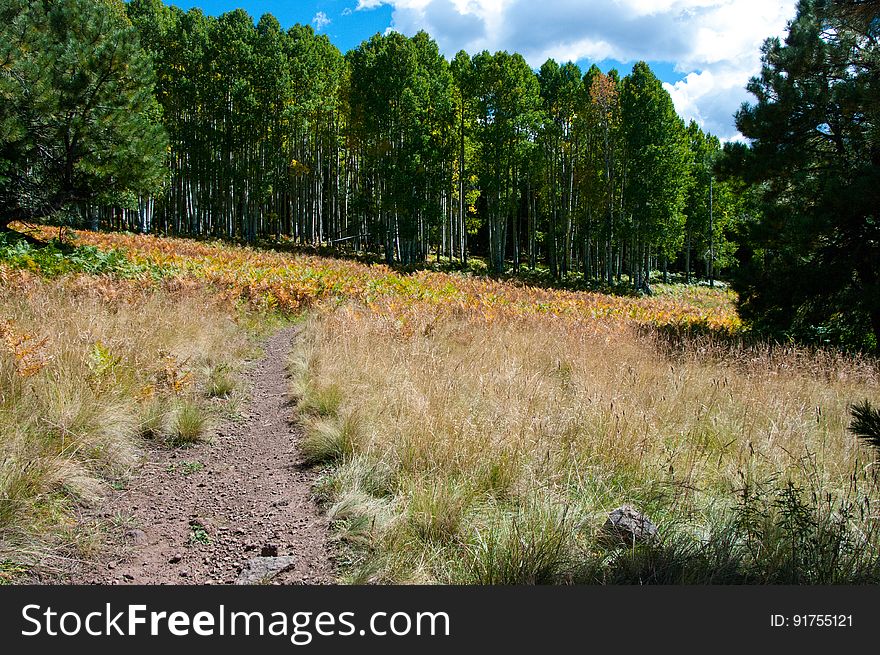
(465,192)
(390,149)
(712,208)
(601,169)
(508,113)
(656,173)
(253,115)
(814,265)
(79,123)
(401,119)
(561,97)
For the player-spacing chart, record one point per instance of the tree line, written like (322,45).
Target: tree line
(141,116)
(393,149)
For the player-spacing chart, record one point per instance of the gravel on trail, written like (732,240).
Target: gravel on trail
(199,515)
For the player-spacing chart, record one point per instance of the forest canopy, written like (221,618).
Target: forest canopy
(143,117)
(390,149)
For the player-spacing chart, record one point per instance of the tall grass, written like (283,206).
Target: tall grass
(89,366)
(491,451)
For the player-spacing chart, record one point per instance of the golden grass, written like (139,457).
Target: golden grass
(89,366)
(464,440)
(473,430)
(292,282)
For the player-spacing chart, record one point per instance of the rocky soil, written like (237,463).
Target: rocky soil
(201,515)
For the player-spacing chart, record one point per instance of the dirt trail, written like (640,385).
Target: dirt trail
(181,524)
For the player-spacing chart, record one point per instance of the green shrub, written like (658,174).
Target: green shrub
(188,425)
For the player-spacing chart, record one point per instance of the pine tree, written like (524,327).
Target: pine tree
(78,119)
(814,158)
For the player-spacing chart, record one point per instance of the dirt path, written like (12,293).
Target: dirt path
(182,523)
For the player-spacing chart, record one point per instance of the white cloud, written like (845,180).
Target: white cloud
(715,43)
(320,21)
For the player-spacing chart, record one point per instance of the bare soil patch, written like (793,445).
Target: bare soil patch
(197,515)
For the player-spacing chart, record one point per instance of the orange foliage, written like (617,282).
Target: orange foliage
(29,352)
(291,282)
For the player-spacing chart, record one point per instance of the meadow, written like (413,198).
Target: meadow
(93,369)
(468,430)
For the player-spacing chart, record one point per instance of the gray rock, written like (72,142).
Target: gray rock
(136,537)
(627,526)
(259,570)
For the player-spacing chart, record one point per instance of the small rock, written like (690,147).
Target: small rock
(260,570)
(627,526)
(184,574)
(128,576)
(269,550)
(174,559)
(136,537)
(111,565)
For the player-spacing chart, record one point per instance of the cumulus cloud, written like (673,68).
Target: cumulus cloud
(320,21)
(714,44)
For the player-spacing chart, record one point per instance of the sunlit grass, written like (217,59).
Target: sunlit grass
(291,282)
(468,429)
(492,452)
(89,367)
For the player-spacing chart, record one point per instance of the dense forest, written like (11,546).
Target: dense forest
(140,116)
(393,149)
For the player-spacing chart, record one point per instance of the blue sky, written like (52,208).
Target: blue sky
(703,50)
(346,32)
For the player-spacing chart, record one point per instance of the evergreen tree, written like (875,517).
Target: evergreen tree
(814,271)
(78,119)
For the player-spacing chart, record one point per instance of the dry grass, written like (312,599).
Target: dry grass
(88,367)
(289,282)
(469,451)
(472,430)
